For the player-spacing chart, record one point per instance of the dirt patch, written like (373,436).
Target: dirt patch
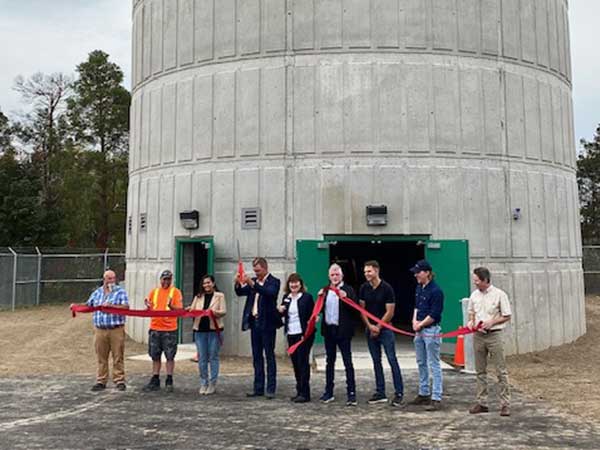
(47,340)
(565,376)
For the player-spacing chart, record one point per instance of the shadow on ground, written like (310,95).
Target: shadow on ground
(61,412)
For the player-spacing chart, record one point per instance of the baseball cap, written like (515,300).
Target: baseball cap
(166,274)
(420,266)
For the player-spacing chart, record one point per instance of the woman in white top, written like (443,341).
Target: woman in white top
(296,308)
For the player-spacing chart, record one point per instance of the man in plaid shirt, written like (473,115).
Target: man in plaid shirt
(109,331)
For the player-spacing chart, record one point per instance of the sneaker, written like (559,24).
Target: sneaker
(202,390)
(152,386)
(435,405)
(397,401)
(121,386)
(505,411)
(421,400)
(351,401)
(98,387)
(211,389)
(478,409)
(327,398)
(377,397)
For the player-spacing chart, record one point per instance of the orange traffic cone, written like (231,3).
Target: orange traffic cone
(459,353)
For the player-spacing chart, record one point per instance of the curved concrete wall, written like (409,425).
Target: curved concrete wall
(314,109)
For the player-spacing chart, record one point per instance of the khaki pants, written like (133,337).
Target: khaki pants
(106,342)
(492,345)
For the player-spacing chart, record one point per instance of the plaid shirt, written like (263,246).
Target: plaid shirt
(117,297)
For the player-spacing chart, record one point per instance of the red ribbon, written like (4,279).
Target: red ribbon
(148,313)
(310,328)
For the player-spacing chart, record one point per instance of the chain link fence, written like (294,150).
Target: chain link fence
(591,268)
(36,276)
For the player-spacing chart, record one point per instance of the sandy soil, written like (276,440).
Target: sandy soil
(566,376)
(47,340)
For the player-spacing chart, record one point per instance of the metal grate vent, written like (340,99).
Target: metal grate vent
(129,225)
(250,218)
(143,221)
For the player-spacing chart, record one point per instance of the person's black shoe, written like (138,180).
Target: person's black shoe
(254,394)
(397,401)
(121,386)
(169,387)
(351,401)
(98,387)
(153,385)
(294,398)
(377,397)
(270,395)
(301,399)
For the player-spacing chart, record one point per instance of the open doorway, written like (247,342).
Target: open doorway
(194,263)
(395,259)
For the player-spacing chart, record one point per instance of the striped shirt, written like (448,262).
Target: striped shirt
(118,296)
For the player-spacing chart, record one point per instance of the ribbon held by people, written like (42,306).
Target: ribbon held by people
(319,306)
(144,312)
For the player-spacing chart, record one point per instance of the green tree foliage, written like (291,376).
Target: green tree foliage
(588,179)
(98,113)
(63,164)
(6,133)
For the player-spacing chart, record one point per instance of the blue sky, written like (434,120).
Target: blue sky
(56,35)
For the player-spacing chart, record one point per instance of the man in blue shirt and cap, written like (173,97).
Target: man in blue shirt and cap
(429,303)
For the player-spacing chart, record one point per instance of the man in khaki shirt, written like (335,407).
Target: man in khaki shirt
(489,305)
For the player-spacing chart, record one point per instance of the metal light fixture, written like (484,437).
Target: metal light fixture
(189,219)
(376,215)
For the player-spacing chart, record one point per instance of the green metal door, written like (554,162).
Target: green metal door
(312,263)
(450,262)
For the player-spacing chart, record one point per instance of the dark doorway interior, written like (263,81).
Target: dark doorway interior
(395,259)
(194,266)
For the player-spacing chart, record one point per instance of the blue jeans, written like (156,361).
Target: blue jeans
(208,346)
(263,347)
(427,348)
(386,339)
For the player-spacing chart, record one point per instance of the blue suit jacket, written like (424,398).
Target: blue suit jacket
(268,316)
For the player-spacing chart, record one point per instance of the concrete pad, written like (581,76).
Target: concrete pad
(61,412)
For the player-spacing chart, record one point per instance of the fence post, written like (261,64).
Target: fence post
(14,286)
(106,259)
(39,277)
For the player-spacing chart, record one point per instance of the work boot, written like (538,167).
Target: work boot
(478,409)
(98,387)
(121,387)
(421,400)
(153,385)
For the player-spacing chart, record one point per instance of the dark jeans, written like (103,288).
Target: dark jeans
(386,339)
(301,363)
(332,343)
(263,341)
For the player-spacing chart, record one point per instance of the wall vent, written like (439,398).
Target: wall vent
(129,225)
(250,218)
(143,221)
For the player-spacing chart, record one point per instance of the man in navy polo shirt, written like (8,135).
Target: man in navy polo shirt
(377,297)
(429,303)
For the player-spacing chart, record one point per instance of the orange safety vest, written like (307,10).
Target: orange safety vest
(155,298)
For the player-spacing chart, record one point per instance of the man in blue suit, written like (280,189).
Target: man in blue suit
(262,319)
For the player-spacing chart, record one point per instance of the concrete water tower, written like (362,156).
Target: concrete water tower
(320,130)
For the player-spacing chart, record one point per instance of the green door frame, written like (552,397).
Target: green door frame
(456,279)
(210,263)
